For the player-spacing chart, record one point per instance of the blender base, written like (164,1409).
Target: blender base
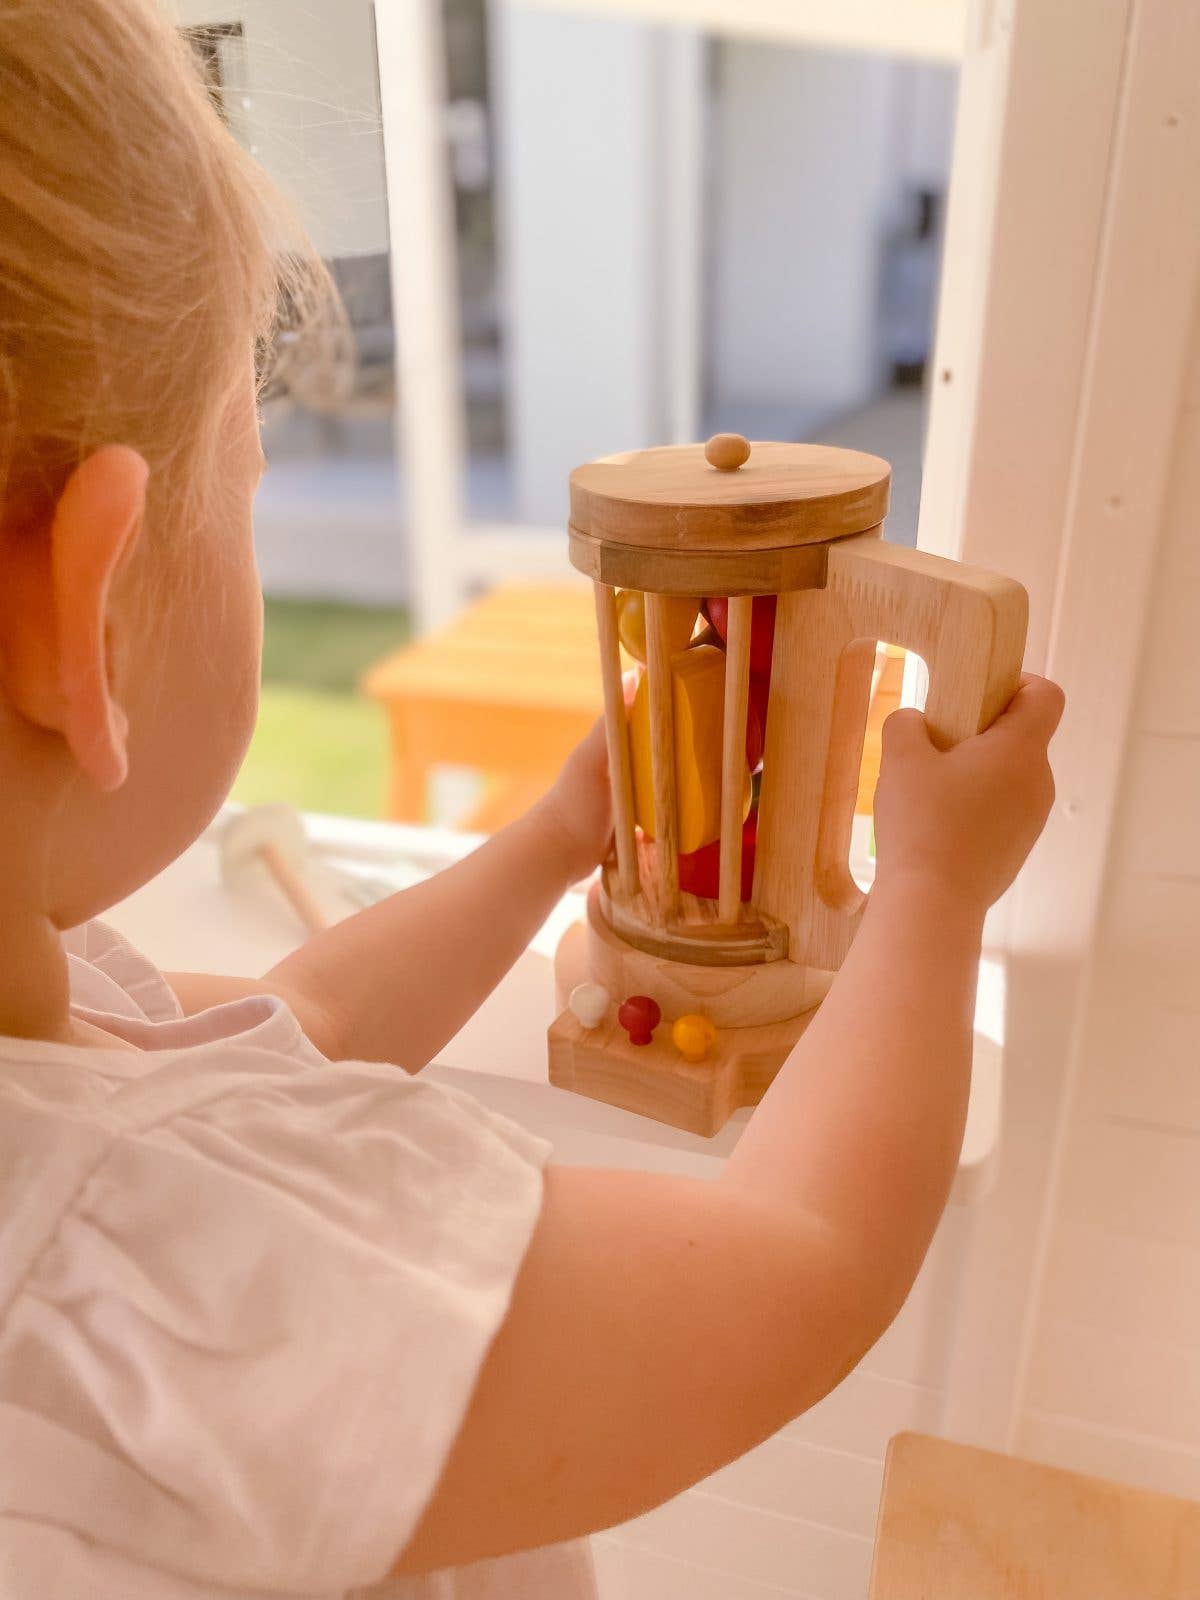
(655,1081)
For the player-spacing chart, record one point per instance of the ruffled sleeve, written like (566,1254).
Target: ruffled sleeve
(246,1351)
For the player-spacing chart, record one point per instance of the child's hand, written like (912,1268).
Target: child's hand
(965,819)
(578,809)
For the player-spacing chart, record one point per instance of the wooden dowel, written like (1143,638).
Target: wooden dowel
(733,755)
(616,728)
(662,754)
(297,893)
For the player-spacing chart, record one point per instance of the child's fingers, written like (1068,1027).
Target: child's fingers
(905,732)
(1031,716)
(1033,713)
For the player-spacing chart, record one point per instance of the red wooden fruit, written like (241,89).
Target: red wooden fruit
(700,871)
(639,1016)
(762,627)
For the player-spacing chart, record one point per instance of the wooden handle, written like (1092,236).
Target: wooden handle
(297,893)
(969,627)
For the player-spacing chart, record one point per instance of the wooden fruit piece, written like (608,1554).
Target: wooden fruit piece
(698,682)
(700,872)
(693,1036)
(681,615)
(762,629)
(639,1016)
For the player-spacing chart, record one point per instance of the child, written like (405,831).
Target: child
(275,1320)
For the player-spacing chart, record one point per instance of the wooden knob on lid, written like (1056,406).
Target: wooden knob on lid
(727,451)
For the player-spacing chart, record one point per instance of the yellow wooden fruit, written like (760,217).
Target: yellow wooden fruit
(698,683)
(681,613)
(693,1036)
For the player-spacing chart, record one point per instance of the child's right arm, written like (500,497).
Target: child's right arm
(662,1326)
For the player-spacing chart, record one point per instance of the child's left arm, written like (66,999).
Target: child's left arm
(396,981)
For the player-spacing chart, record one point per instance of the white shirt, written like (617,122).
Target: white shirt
(244,1299)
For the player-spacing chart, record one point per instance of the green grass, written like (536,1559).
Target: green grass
(319,744)
(323,644)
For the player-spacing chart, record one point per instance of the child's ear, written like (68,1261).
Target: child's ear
(56,666)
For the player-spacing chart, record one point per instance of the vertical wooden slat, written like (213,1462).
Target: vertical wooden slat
(662,755)
(733,754)
(616,729)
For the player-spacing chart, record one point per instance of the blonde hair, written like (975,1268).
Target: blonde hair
(140,250)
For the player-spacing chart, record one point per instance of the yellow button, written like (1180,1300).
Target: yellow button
(693,1037)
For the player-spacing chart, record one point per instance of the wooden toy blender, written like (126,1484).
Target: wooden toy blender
(718,923)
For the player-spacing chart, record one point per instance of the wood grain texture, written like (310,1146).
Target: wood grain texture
(695,932)
(746,994)
(662,749)
(886,685)
(957,1521)
(655,1081)
(687,572)
(759,1013)
(750,994)
(733,756)
(968,625)
(811,633)
(785,494)
(616,732)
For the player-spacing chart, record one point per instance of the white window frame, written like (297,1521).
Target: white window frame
(1060,483)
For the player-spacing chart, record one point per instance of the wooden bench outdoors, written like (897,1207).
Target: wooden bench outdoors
(508,688)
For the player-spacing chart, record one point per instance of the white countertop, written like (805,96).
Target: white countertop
(187,920)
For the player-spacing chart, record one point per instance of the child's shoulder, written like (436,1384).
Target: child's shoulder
(227,1112)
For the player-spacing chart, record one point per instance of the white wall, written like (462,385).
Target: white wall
(1113,1385)
(801,169)
(810,152)
(313,113)
(926,102)
(575,134)
(807,153)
